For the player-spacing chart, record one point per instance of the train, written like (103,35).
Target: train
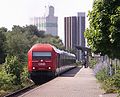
(46,61)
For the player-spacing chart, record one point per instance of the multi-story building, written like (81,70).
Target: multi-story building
(49,23)
(70,25)
(74,33)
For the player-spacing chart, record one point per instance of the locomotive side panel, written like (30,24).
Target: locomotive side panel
(29,61)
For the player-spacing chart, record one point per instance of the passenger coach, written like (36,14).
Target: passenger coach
(45,61)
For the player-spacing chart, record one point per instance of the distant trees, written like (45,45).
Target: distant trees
(103,35)
(54,40)
(19,40)
(2,42)
(17,44)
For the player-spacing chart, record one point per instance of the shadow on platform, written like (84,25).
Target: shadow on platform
(71,73)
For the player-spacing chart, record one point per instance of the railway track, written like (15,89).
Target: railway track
(18,92)
(23,90)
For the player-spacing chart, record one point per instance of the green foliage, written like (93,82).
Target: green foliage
(20,39)
(109,83)
(32,30)
(24,77)
(102,75)
(5,80)
(112,83)
(106,80)
(2,42)
(17,44)
(116,78)
(93,63)
(3,29)
(13,67)
(53,40)
(104,31)
(13,76)
(17,29)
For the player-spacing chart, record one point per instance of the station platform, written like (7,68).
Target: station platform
(78,82)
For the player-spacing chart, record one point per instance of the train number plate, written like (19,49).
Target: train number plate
(41,64)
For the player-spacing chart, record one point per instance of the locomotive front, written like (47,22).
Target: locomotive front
(40,61)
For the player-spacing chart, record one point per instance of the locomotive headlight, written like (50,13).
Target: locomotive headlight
(33,67)
(49,67)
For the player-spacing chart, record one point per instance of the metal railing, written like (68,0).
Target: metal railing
(108,63)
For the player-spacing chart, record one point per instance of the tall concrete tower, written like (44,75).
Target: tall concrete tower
(49,23)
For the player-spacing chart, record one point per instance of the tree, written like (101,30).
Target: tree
(17,44)
(103,35)
(12,66)
(40,33)
(54,40)
(3,29)
(17,28)
(2,42)
(30,30)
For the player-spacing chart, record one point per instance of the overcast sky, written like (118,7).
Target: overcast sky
(19,12)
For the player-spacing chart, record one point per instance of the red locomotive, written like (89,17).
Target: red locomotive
(45,60)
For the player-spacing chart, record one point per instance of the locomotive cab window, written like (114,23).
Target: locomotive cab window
(41,55)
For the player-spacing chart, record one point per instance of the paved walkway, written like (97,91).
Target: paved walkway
(75,83)
(90,85)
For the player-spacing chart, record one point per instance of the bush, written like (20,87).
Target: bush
(109,83)
(112,83)
(12,66)
(5,81)
(24,77)
(102,75)
(93,62)
(116,78)
(106,80)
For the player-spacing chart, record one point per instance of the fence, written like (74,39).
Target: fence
(108,63)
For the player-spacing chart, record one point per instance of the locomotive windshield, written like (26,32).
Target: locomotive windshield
(41,55)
